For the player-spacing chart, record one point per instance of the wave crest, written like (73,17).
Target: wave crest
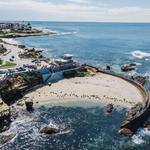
(140,54)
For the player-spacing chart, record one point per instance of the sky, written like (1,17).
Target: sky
(76,10)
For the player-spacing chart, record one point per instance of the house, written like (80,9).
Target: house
(15,26)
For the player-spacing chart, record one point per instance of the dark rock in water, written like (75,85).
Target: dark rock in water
(6,138)
(108,67)
(136,117)
(29,106)
(22,46)
(147,124)
(139,79)
(128,67)
(49,130)
(126,132)
(109,108)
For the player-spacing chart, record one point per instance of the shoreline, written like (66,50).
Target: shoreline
(122,101)
(98,88)
(17,35)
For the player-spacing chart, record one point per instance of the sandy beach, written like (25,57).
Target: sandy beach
(101,88)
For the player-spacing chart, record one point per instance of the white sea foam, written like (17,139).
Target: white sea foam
(65,33)
(10,40)
(141,55)
(137,139)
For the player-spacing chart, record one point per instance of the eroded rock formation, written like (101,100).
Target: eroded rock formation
(14,86)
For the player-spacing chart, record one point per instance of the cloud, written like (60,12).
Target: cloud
(72,10)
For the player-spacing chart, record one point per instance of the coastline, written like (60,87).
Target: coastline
(17,35)
(104,95)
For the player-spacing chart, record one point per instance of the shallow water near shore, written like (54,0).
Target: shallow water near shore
(86,127)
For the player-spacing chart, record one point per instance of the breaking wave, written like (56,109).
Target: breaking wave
(140,137)
(65,33)
(140,54)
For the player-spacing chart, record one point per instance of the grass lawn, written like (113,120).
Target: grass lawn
(8,64)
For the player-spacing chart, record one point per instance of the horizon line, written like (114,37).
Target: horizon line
(72,21)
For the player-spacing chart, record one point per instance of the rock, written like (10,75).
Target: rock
(22,46)
(6,138)
(128,67)
(147,124)
(29,106)
(109,108)
(5,118)
(49,130)
(13,87)
(20,103)
(139,79)
(126,132)
(108,67)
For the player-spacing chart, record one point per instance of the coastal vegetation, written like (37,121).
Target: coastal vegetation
(31,53)
(7,64)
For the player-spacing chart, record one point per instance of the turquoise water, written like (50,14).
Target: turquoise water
(87,128)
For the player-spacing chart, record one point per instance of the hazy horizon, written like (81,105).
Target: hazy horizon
(76,10)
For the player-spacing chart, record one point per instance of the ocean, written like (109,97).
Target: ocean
(90,127)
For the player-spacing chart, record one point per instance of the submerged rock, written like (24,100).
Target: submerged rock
(109,108)
(6,138)
(49,130)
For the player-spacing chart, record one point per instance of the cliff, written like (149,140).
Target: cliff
(14,86)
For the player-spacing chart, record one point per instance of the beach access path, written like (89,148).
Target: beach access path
(103,88)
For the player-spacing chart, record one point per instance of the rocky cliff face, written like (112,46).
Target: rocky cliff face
(14,86)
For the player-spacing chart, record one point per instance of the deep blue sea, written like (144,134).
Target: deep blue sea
(88,128)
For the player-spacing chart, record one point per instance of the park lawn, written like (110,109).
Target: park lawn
(8,64)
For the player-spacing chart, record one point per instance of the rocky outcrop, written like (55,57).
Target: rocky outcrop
(140,79)
(2,49)
(49,130)
(109,108)
(14,86)
(126,132)
(6,138)
(128,67)
(147,124)
(29,106)
(135,118)
(5,117)
(31,53)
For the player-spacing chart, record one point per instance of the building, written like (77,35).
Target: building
(15,26)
